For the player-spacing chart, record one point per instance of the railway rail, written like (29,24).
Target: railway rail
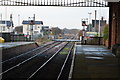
(14,57)
(20,59)
(30,67)
(12,62)
(51,70)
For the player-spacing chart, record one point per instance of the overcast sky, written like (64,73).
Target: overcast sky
(62,17)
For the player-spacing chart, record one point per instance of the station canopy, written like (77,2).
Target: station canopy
(66,3)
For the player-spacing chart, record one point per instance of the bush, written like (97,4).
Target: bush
(106,32)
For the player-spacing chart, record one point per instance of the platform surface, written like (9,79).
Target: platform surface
(12,44)
(95,63)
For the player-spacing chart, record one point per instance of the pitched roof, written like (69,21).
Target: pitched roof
(9,23)
(32,22)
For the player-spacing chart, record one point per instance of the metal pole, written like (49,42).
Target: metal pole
(34,17)
(33,26)
(5,12)
(95,20)
(18,19)
(99,21)
(1,25)
(6,17)
(89,21)
(11,23)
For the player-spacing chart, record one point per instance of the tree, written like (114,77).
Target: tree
(56,31)
(106,32)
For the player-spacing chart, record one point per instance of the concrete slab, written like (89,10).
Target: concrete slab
(95,62)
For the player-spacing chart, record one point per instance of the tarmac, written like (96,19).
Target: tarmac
(93,62)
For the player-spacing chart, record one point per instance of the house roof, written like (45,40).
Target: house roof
(32,22)
(9,23)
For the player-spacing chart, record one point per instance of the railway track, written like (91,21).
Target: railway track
(36,65)
(28,52)
(53,68)
(24,57)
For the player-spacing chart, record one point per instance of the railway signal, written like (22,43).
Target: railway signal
(84,23)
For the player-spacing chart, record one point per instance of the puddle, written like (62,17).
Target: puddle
(98,58)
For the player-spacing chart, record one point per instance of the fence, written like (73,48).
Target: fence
(93,41)
(17,38)
(5,36)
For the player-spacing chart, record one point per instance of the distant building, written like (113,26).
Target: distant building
(6,26)
(18,30)
(31,27)
(45,30)
(102,24)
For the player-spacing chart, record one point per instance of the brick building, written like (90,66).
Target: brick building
(114,24)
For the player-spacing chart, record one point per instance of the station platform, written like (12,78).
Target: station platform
(94,62)
(13,44)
